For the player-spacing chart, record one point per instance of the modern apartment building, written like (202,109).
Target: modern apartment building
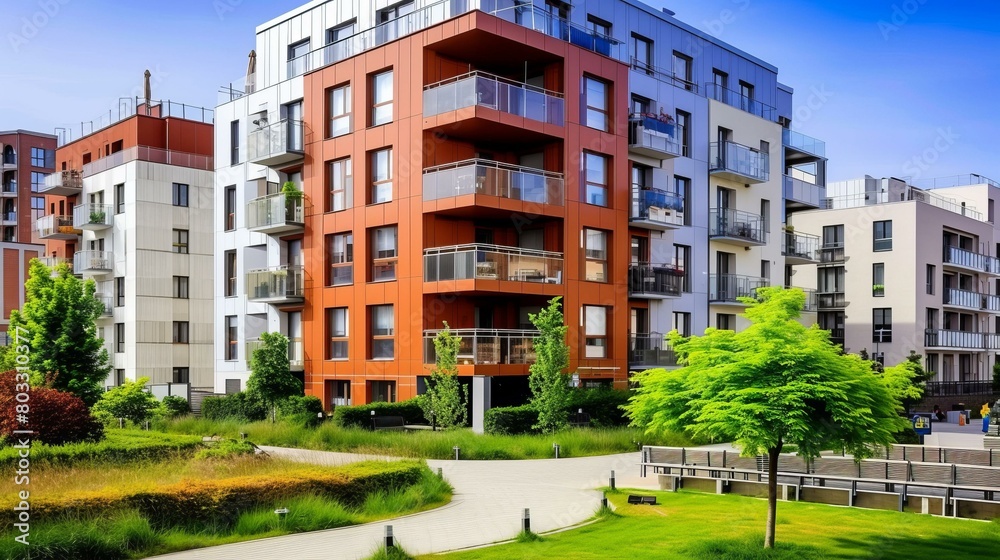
(25,159)
(912,269)
(466,161)
(130,206)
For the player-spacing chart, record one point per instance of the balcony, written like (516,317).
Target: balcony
(63,183)
(53,262)
(739,163)
(276,144)
(487,346)
(827,301)
(276,213)
(94,262)
(982,388)
(8,189)
(740,101)
(725,289)
(651,137)
(648,351)
(961,340)
(8,218)
(837,336)
(56,227)
(974,301)
(803,144)
(93,217)
(533,16)
(831,254)
(799,248)
(477,261)
(252,345)
(296,356)
(481,89)
(801,194)
(811,304)
(654,281)
(276,285)
(106,302)
(736,228)
(656,210)
(968,260)
(492,183)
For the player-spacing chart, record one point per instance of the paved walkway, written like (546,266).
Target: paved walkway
(489,499)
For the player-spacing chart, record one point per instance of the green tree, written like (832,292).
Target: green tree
(58,318)
(446,400)
(130,401)
(271,380)
(774,383)
(907,380)
(549,384)
(996,378)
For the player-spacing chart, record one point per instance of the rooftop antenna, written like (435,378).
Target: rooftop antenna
(147,90)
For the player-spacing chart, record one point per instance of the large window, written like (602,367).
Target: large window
(381,174)
(725,321)
(229,260)
(231,208)
(181,241)
(336,326)
(40,157)
(234,142)
(384,253)
(596,255)
(232,338)
(595,331)
(119,337)
(383,332)
(381,88)
(37,181)
(682,71)
(181,329)
(341,184)
(882,324)
(396,11)
(181,287)
(682,188)
(340,248)
(180,194)
(598,113)
(595,179)
(339,110)
(641,50)
(883,235)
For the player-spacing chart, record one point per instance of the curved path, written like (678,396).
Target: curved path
(489,499)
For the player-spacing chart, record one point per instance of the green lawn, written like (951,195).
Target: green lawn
(698,525)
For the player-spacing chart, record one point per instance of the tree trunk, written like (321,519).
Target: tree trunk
(772,494)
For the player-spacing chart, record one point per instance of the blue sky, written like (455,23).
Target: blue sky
(895,87)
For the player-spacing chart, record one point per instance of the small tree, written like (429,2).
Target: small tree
(549,384)
(130,401)
(271,380)
(908,380)
(774,383)
(446,400)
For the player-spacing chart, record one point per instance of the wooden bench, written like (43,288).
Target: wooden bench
(388,423)
(636,499)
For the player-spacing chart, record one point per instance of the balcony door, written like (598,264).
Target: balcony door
(948,367)
(725,264)
(640,250)
(293,130)
(295,337)
(294,254)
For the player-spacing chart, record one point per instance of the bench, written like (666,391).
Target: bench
(636,499)
(388,423)
(580,420)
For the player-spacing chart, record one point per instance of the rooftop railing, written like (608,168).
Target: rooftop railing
(858,200)
(131,106)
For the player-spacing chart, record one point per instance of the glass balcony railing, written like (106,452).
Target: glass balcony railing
(803,192)
(649,351)
(56,227)
(492,262)
(741,227)
(276,143)
(93,216)
(107,303)
(727,288)
(969,259)
(971,300)
(487,346)
(63,183)
(657,208)
(494,92)
(491,178)
(739,162)
(276,284)
(276,213)
(647,280)
(799,248)
(740,101)
(93,261)
(8,218)
(533,16)
(652,137)
(803,143)
(9,188)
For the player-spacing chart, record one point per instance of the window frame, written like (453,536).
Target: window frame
(595,258)
(181,375)
(687,80)
(180,193)
(878,279)
(344,179)
(382,338)
(591,185)
(346,261)
(881,227)
(885,314)
(119,338)
(603,111)
(232,334)
(376,103)
(383,263)
(181,238)
(231,266)
(181,332)
(601,347)
(378,180)
(635,41)
(230,208)
(119,291)
(337,339)
(334,117)
(182,287)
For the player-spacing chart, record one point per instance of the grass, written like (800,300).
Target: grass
(118,446)
(427,444)
(395,553)
(697,525)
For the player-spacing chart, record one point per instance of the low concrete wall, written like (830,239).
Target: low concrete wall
(876,500)
(976,509)
(702,484)
(924,504)
(756,489)
(832,496)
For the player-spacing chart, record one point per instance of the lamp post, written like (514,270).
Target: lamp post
(881,334)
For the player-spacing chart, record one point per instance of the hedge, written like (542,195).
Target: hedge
(237,406)
(194,503)
(509,420)
(360,416)
(603,406)
(117,447)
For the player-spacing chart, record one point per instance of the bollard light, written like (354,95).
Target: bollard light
(612,480)
(604,500)
(243,435)
(456,449)
(281,513)
(390,542)
(555,446)
(526,521)
(440,472)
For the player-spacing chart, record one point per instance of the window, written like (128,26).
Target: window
(596,93)
(340,32)
(384,254)
(932,364)
(883,236)
(40,157)
(595,331)
(182,375)
(596,179)
(682,322)
(682,71)
(720,80)
(234,142)
(232,338)
(383,331)
(120,291)
(930,279)
(683,119)
(341,184)
(931,318)
(598,25)
(746,96)
(119,377)
(230,263)
(381,88)
(338,108)
(765,214)
(878,279)
(37,181)
(180,287)
(297,59)
(119,337)
(336,326)
(642,53)
(725,321)
(37,206)
(682,260)
(181,332)
(340,248)
(230,208)
(181,241)
(765,271)
(119,198)
(382,391)
(882,324)
(180,194)
(596,255)
(640,105)
(381,173)
(394,12)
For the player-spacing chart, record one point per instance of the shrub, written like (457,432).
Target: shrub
(129,401)
(175,406)
(603,406)
(56,417)
(301,410)
(907,436)
(225,449)
(511,420)
(360,416)
(237,406)
(119,446)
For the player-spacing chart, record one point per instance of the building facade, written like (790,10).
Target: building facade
(467,161)
(130,206)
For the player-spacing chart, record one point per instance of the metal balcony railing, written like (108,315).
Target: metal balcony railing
(487,346)
(970,259)
(652,137)
(280,283)
(803,143)
(492,262)
(63,183)
(736,224)
(959,388)
(800,246)
(978,341)
(832,253)
(831,300)
(491,178)
(727,288)
(649,351)
(971,300)
(646,279)
(737,159)
(488,90)
(657,206)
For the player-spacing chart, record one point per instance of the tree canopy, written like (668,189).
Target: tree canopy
(772,384)
(446,400)
(130,401)
(271,380)
(548,381)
